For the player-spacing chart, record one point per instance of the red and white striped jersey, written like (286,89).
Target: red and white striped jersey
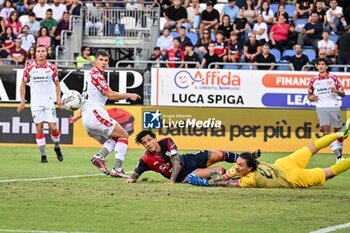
(322,87)
(41,80)
(95,88)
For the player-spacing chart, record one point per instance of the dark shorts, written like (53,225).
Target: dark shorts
(191,162)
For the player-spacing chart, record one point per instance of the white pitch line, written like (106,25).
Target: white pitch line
(49,178)
(33,231)
(332,228)
(54,178)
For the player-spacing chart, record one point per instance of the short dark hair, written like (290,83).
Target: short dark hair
(250,160)
(31,14)
(102,53)
(320,59)
(49,10)
(142,134)
(83,48)
(183,27)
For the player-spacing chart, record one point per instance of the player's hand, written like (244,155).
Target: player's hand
(134,97)
(129,181)
(334,90)
(74,118)
(59,104)
(313,98)
(20,107)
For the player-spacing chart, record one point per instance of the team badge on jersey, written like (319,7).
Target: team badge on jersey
(151,120)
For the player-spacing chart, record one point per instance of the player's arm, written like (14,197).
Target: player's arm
(141,168)
(58,95)
(338,88)
(133,178)
(175,161)
(311,96)
(76,117)
(22,91)
(113,95)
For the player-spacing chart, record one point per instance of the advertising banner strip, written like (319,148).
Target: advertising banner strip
(235,88)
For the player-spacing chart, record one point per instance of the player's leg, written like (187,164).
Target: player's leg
(99,159)
(120,136)
(56,136)
(230,157)
(342,165)
(51,118)
(336,123)
(40,141)
(205,172)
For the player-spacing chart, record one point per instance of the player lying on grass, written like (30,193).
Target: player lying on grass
(162,157)
(286,172)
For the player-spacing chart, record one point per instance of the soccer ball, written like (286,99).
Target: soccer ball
(71,100)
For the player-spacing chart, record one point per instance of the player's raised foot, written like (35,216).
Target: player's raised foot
(344,133)
(58,154)
(118,173)
(43,159)
(100,164)
(256,153)
(340,158)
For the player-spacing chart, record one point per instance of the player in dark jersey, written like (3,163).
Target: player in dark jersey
(286,172)
(162,156)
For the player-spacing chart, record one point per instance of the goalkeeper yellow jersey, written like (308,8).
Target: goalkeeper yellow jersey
(266,176)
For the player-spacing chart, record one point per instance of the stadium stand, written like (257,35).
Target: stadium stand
(276,53)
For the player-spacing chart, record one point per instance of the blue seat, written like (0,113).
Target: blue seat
(193,37)
(283,67)
(290,9)
(230,67)
(288,52)
(174,34)
(299,24)
(334,38)
(274,7)
(245,67)
(310,53)
(276,53)
(335,69)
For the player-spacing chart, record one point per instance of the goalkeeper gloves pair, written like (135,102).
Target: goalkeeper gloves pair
(196,180)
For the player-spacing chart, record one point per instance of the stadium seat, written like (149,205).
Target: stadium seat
(230,67)
(288,52)
(23,19)
(203,6)
(290,9)
(223,1)
(299,24)
(246,67)
(212,35)
(310,53)
(218,6)
(334,38)
(174,34)
(162,22)
(276,53)
(274,7)
(283,67)
(335,69)
(129,22)
(193,37)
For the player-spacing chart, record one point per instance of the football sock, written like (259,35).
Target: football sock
(55,136)
(41,142)
(341,166)
(230,157)
(120,150)
(325,140)
(108,146)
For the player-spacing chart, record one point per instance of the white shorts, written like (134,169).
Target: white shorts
(43,114)
(329,116)
(98,122)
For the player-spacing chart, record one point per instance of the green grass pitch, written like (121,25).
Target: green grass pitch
(104,204)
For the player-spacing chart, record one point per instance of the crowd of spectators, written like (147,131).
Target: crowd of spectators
(25,24)
(249,31)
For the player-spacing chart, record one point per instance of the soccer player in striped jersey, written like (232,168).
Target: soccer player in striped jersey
(40,74)
(96,119)
(286,172)
(324,90)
